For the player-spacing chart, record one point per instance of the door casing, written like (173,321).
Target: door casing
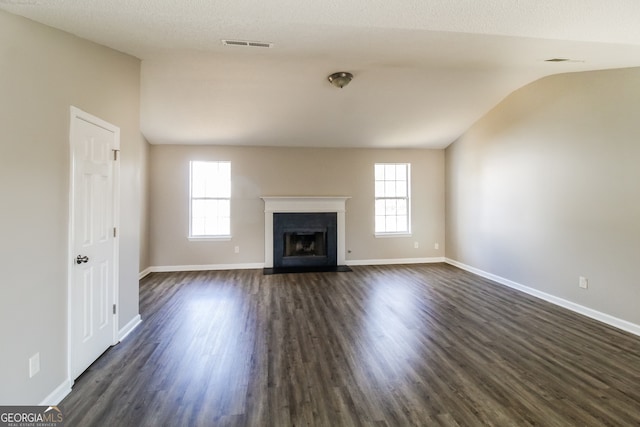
(78,114)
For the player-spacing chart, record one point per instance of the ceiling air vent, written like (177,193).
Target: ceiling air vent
(245,43)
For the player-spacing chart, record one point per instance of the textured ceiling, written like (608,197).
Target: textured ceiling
(424,70)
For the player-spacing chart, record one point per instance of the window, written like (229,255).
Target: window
(393,190)
(210,199)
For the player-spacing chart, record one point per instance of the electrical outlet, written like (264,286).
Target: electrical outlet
(583,282)
(416,245)
(236,249)
(34,365)
(436,246)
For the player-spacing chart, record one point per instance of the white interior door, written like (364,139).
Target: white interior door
(92,294)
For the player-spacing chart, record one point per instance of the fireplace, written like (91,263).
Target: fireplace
(305,244)
(317,243)
(305,239)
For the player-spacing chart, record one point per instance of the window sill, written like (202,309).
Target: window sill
(385,235)
(209,238)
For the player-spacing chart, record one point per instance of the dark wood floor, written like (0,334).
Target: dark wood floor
(420,345)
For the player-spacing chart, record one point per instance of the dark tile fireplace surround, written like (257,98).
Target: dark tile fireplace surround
(304,239)
(305,242)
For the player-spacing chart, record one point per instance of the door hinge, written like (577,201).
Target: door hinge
(114,309)
(115,232)
(115,154)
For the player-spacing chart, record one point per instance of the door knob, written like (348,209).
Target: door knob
(80,259)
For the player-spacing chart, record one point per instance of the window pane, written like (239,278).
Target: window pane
(224,208)
(219,184)
(197,226)
(392,197)
(401,189)
(197,179)
(390,207)
(210,194)
(402,224)
(224,225)
(389,172)
(379,172)
(199,209)
(390,224)
(224,168)
(389,189)
(210,227)
(401,207)
(210,208)
(217,227)
(210,179)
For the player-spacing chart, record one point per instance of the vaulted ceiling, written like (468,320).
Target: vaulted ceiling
(424,70)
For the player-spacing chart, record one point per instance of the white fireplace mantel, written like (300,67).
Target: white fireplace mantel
(277,204)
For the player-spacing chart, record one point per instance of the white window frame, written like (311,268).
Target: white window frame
(202,237)
(407,198)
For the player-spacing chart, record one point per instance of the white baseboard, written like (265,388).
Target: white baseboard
(394,261)
(586,311)
(129,327)
(208,267)
(144,273)
(257,265)
(56,396)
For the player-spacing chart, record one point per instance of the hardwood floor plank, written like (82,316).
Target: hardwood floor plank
(421,345)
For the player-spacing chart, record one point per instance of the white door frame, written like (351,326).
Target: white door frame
(77,113)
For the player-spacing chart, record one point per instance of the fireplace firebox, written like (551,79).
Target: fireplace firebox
(305,239)
(305,244)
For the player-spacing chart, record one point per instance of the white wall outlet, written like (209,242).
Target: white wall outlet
(34,365)
(583,282)
(236,249)
(436,246)
(416,245)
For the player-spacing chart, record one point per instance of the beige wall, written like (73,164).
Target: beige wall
(291,172)
(545,188)
(42,73)
(145,260)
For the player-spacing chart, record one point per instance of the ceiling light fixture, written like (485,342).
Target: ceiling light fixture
(340,79)
(564,60)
